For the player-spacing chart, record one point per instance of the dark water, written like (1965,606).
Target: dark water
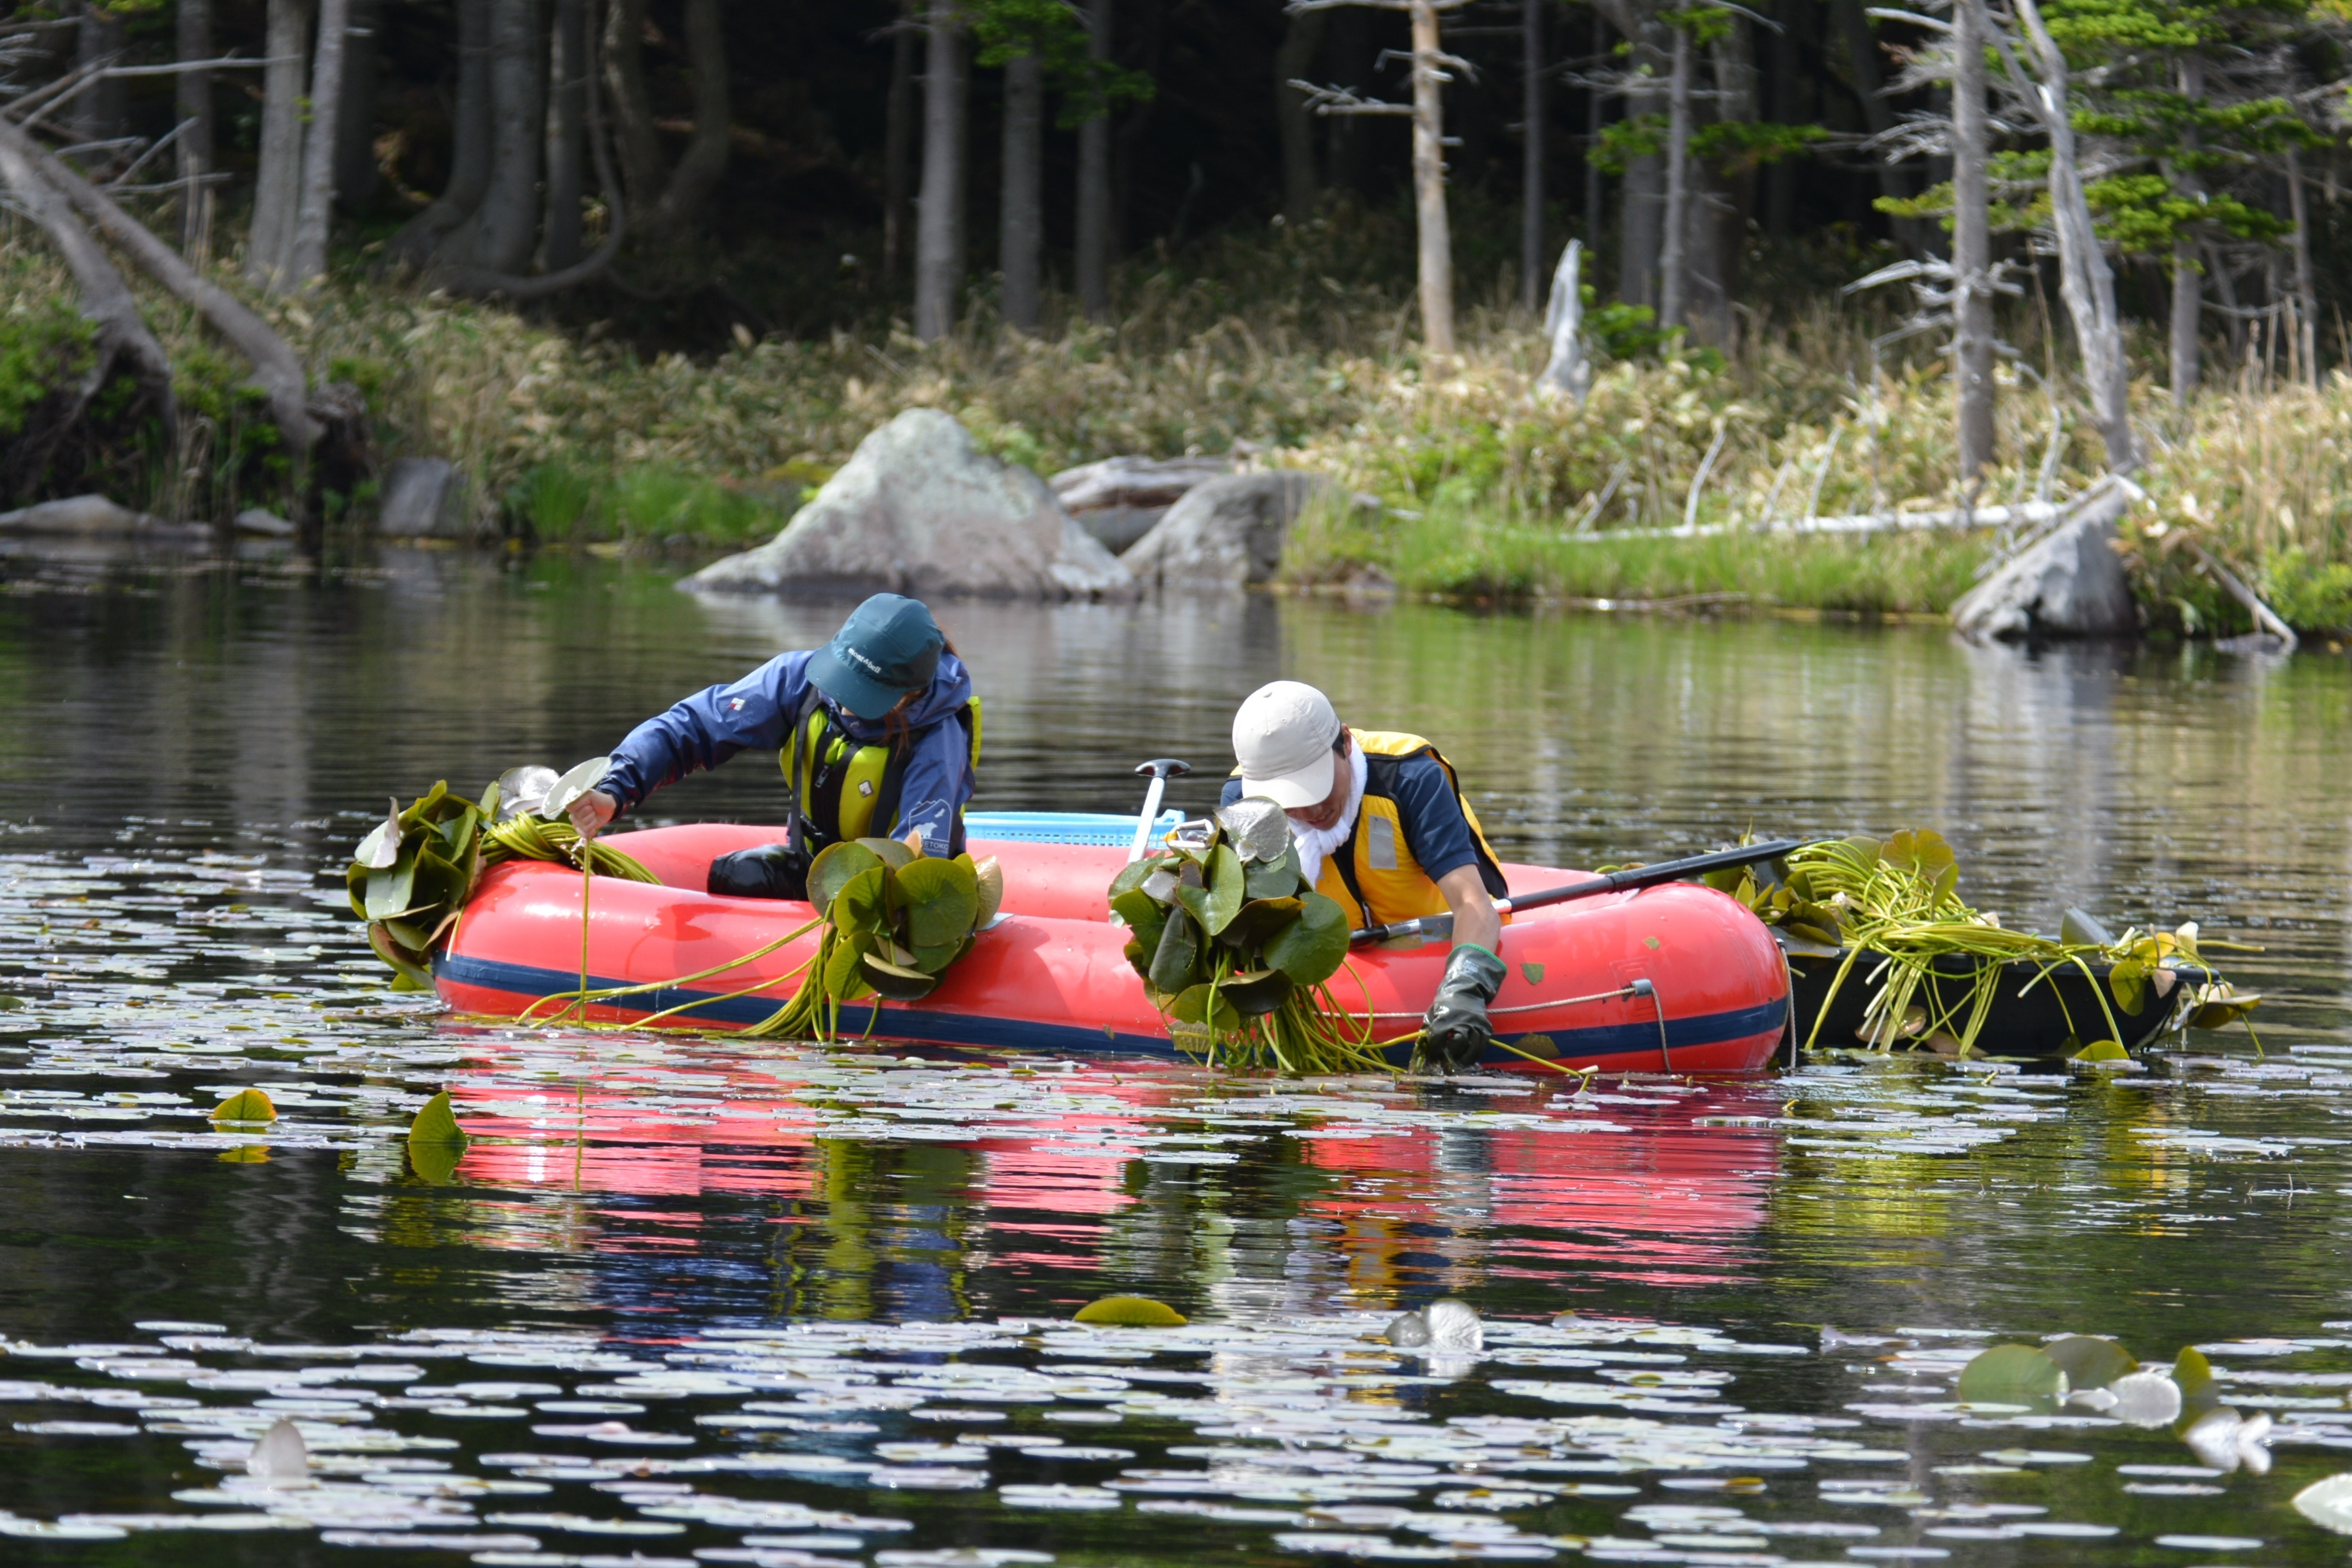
(687,1303)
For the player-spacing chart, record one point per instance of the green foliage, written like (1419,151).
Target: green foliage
(1051,30)
(1729,146)
(551,500)
(660,503)
(44,345)
(2308,593)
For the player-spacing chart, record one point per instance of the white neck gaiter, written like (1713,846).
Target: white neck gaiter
(1313,843)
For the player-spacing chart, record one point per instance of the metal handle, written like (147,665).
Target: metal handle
(1161,770)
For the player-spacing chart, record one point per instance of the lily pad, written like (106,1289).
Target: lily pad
(988,877)
(380,847)
(844,970)
(1312,951)
(2327,1504)
(894,854)
(895,982)
(1278,879)
(941,897)
(862,906)
(245,1105)
(1259,922)
(1257,829)
(388,890)
(1194,1004)
(583,778)
(436,1142)
(2090,1363)
(1177,958)
(1216,904)
(2145,1399)
(409,972)
(2102,1051)
(1131,875)
(2011,1375)
(834,865)
(2219,1012)
(1256,993)
(520,792)
(1130,1312)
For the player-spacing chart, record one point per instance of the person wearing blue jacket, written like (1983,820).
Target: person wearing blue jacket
(877,733)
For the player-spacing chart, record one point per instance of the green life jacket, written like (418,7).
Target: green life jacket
(843,788)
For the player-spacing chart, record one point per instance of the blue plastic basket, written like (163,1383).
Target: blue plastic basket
(1100,829)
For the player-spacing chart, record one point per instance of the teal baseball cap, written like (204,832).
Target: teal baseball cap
(888,647)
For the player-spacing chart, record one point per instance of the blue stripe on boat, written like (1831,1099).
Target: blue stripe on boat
(1601,1041)
(1102,830)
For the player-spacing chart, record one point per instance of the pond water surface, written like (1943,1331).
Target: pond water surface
(688,1303)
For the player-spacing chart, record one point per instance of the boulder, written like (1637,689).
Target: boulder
(1119,500)
(263,524)
(423,497)
(87,516)
(1226,533)
(2070,584)
(918,510)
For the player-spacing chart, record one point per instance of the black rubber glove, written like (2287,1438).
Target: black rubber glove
(1456,1031)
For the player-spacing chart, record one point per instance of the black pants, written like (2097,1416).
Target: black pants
(769,871)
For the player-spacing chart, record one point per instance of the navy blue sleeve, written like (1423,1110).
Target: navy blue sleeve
(707,728)
(1233,792)
(1434,828)
(937,783)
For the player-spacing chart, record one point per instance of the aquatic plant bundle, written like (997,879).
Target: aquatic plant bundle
(1893,908)
(1234,947)
(893,920)
(414,871)
(2100,1375)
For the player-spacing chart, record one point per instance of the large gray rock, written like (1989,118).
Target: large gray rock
(2069,584)
(918,510)
(423,497)
(1121,500)
(1226,533)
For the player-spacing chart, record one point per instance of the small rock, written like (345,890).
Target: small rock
(263,524)
(280,1458)
(1226,533)
(918,510)
(88,517)
(423,497)
(1446,1326)
(1119,500)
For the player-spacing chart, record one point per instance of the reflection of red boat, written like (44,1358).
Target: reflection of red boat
(1051,975)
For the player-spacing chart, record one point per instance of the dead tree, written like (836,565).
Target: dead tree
(277,184)
(307,261)
(940,210)
(1972,318)
(1430,65)
(1093,257)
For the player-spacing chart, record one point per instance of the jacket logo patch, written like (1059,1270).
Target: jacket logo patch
(866,786)
(1379,844)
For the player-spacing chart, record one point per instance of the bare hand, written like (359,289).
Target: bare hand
(590,812)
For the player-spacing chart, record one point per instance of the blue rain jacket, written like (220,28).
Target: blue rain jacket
(753,714)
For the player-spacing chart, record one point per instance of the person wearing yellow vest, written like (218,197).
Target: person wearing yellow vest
(1381,828)
(877,733)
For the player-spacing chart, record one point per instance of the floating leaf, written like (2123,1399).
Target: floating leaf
(2011,1375)
(941,900)
(2194,1373)
(861,909)
(245,1105)
(1312,951)
(844,976)
(895,982)
(1130,1312)
(1131,875)
(1194,1004)
(2078,927)
(1178,956)
(520,792)
(437,1122)
(935,960)
(1161,884)
(1255,993)
(280,1457)
(1279,879)
(583,778)
(1259,922)
(988,877)
(2102,1051)
(1216,904)
(2090,1363)
(2218,1007)
(388,890)
(1257,829)
(2129,980)
(834,865)
(894,853)
(244,1154)
(2145,1399)
(380,847)
(2327,1504)
(409,972)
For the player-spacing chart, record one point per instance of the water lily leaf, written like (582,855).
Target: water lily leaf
(437,1122)
(2011,1375)
(2223,1011)
(408,966)
(1534,973)
(280,1457)
(520,792)
(2129,980)
(245,1105)
(423,811)
(834,865)
(380,847)
(895,981)
(2194,1374)
(1256,829)
(1161,885)
(2088,1361)
(862,907)
(935,960)
(1311,951)
(1177,959)
(1278,879)
(942,898)
(845,971)
(244,1154)
(2102,1051)
(1130,1312)
(2145,1399)
(2080,928)
(2327,1504)
(1254,992)
(1204,1004)
(433,883)
(1146,921)
(577,782)
(894,854)
(1259,922)
(1214,903)
(388,890)
(1131,875)
(988,876)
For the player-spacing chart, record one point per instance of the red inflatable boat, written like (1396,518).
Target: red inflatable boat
(1050,974)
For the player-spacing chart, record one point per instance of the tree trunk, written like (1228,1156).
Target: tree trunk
(504,229)
(1870,86)
(1300,40)
(699,171)
(1720,203)
(1592,121)
(1973,339)
(633,106)
(2188,277)
(1531,153)
(1428,182)
(898,150)
(1672,278)
(277,186)
(2307,293)
(99,42)
(311,217)
(567,115)
(1094,182)
(2084,281)
(469,160)
(1022,220)
(105,300)
(938,235)
(1642,199)
(356,175)
(195,42)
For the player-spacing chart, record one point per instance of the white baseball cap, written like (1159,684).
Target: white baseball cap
(1283,736)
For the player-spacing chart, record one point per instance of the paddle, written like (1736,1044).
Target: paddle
(1613,882)
(1160,769)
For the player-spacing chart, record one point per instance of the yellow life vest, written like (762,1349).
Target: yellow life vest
(843,787)
(1373,876)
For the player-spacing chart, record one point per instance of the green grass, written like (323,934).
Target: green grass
(559,503)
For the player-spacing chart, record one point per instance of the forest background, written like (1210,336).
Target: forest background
(648,269)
